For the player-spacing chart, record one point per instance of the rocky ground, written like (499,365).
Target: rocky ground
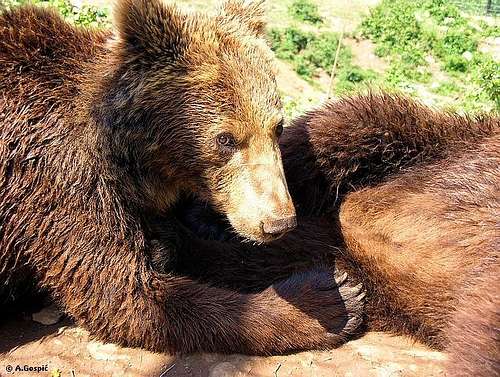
(65,350)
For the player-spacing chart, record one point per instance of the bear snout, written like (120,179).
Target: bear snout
(278,227)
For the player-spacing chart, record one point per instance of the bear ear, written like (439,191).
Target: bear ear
(149,26)
(249,13)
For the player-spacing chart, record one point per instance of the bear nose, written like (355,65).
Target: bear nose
(277,227)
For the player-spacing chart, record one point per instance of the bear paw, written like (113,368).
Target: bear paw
(333,300)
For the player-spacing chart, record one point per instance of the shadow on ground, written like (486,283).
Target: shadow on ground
(70,350)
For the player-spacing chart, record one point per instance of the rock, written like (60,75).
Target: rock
(47,316)
(224,369)
(106,352)
(467,55)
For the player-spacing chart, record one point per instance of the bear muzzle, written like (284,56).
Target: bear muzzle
(278,227)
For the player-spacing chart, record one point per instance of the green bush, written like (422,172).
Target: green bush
(442,10)
(350,77)
(288,42)
(488,77)
(305,10)
(454,63)
(406,32)
(399,36)
(322,49)
(87,15)
(413,30)
(448,88)
(489,30)
(307,51)
(311,53)
(358,74)
(455,42)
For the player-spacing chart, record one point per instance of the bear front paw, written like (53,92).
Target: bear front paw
(332,300)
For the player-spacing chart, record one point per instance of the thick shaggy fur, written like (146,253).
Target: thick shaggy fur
(100,135)
(416,195)
(411,197)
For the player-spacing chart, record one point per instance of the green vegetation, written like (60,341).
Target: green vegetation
(87,15)
(491,7)
(305,10)
(314,53)
(412,34)
(432,49)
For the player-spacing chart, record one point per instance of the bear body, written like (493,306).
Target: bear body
(102,133)
(406,199)
(89,182)
(415,196)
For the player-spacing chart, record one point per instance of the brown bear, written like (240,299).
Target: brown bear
(413,196)
(416,195)
(103,132)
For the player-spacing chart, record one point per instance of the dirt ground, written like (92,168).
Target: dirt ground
(64,350)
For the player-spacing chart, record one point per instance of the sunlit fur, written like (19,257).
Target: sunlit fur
(416,195)
(102,132)
(178,80)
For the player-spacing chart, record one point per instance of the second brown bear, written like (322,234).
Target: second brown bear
(412,196)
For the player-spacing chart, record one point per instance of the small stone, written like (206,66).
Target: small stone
(224,369)
(105,352)
(467,55)
(430,59)
(210,357)
(47,316)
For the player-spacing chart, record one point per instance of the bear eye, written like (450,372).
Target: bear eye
(226,140)
(279,128)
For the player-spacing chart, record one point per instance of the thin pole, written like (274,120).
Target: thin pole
(334,67)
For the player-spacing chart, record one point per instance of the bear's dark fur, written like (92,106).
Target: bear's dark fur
(413,199)
(416,196)
(102,132)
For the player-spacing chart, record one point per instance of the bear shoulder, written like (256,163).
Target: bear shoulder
(38,38)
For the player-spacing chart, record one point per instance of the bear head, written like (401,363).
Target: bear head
(187,102)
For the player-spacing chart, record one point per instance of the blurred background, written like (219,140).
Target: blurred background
(445,52)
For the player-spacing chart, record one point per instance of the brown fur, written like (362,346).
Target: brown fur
(101,133)
(417,195)
(413,196)
(473,336)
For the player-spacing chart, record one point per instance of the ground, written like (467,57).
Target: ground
(68,351)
